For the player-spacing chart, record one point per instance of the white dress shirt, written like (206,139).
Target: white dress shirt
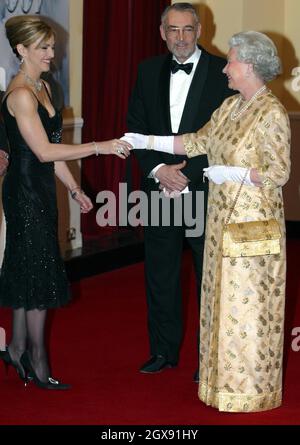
(180,83)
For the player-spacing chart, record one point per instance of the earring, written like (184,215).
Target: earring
(21,60)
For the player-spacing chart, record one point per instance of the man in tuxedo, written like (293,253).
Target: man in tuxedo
(174,94)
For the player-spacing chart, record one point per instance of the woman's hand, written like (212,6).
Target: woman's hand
(84,201)
(115,147)
(222,173)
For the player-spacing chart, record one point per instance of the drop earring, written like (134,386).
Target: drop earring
(21,60)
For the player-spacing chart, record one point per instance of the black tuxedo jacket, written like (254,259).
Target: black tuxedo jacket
(149,110)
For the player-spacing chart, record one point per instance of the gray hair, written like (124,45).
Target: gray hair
(259,50)
(181,7)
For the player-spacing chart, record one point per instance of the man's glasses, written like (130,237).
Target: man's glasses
(174,30)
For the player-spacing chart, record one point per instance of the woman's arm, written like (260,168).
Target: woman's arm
(63,173)
(23,106)
(3,150)
(190,144)
(273,149)
(3,161)
(167,144)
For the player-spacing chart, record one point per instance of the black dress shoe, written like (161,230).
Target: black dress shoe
(5,356)
(51,383)
(157,363)
(196,376)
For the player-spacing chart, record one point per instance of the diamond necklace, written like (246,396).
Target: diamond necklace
(37,84)
(236,113)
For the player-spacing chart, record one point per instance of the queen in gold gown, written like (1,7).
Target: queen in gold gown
(242,305)
(243,299)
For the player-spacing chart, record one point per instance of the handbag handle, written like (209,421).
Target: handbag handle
(237,197)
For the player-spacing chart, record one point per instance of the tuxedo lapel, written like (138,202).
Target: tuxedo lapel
(195,92)
(164,94)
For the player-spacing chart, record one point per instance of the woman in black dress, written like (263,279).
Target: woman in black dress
(33,277)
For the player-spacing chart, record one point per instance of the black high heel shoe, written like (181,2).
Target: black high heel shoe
(51,382)
(5,356)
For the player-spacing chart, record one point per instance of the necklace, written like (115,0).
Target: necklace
(236,113)
(37,84)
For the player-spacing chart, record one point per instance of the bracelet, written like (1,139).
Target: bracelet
(97,149)
(5,155)
(150,145)
(75,191)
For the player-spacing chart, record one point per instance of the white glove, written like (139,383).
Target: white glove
(221,173)
(137,140)
(157,143)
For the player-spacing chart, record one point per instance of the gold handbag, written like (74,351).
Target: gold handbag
(250,238)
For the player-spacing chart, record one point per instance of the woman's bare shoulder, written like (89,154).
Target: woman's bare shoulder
(21,98)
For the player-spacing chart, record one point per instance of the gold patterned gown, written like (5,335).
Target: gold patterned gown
(242,302)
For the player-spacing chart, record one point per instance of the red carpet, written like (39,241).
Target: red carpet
(100,340)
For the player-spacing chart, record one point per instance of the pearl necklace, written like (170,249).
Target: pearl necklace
(236,113)
(37,84)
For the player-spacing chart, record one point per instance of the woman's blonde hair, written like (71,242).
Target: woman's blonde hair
(25,30)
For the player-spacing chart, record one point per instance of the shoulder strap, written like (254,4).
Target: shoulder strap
(46,88)
(237,197)
(7,93)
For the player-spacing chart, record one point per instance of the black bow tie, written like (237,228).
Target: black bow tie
(187,67)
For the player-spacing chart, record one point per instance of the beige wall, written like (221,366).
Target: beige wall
(278,18)
(291,191)
(69,211)
(292,50)
(75,66)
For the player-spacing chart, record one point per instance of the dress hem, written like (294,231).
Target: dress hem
(31,308)
(239,403)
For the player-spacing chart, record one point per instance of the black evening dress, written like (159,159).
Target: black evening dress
(3,142)
(33,274)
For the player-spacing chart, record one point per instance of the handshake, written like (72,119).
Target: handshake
(121,147)
(136,140)
(170,177)
(215,173)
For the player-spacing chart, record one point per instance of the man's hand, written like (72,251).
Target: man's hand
(170,193)
(171,177)
(3,162)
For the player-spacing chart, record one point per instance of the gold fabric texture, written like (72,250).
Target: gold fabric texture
(242,300)
(251,238)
